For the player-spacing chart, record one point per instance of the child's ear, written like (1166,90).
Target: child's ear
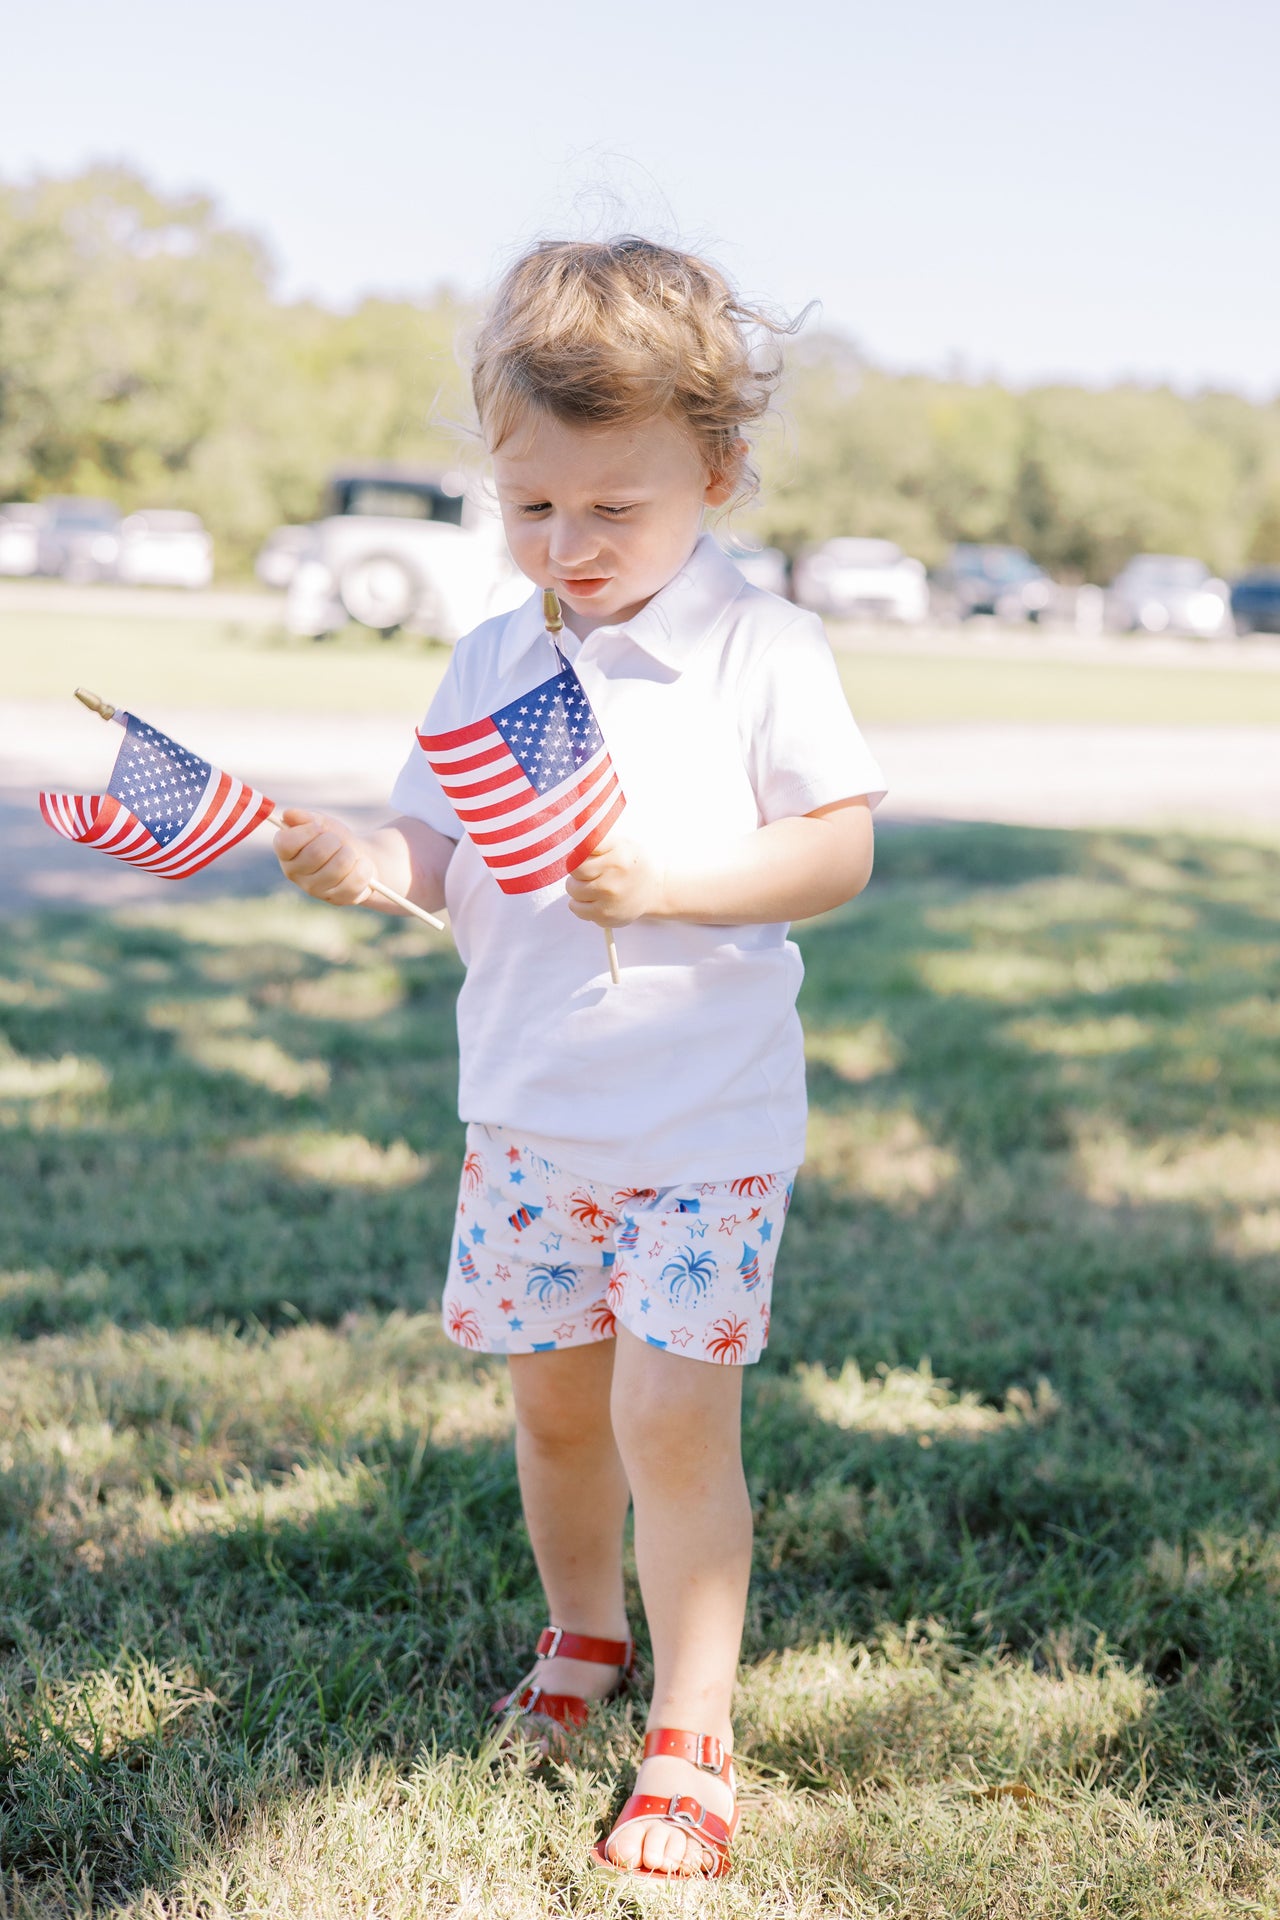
(722,481)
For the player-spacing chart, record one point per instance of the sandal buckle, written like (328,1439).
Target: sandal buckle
(557,1635)
(685,1819)
(527,1699)
(710,1754)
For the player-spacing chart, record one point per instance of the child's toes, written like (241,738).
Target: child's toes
(667,1848)
(663,1847)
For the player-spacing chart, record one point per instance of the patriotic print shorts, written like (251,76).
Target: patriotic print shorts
(543,1258)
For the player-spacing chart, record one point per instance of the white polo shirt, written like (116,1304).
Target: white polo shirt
(722,710)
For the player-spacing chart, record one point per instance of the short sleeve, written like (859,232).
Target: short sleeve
(417,792)
(804,749)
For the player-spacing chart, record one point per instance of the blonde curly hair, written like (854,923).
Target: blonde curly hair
(613,332)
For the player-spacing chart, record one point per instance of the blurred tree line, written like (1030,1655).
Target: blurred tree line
(145,357)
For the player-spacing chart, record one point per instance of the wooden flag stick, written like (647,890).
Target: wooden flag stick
(105,711)
(554,622)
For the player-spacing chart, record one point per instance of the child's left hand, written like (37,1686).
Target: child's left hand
(620,882)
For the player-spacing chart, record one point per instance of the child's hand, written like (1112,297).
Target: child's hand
(323,857)
(619,883)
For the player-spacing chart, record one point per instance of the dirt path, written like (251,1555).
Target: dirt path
(1197,778)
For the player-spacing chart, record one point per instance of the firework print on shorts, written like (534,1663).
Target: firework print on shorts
(543,1258)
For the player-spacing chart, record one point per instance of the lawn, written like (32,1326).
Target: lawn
(1013,1647)
(202,663)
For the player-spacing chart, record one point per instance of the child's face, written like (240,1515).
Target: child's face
(605,515)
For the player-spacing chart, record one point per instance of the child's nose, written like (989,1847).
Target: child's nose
(571,542)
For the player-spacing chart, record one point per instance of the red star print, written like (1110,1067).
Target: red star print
(501,1272)
(708,1186)
(753,1215)
(655,1249)
(680,1336)
(728,1223)
(565,1331)
(505,1306)
(513,1154)
(597,1239)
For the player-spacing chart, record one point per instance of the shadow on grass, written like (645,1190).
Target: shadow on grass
(1017,1418)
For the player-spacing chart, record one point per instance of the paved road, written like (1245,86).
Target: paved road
(1199,778)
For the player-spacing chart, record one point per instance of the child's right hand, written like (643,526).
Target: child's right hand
(324,857)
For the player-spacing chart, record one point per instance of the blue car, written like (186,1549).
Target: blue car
(1255,601)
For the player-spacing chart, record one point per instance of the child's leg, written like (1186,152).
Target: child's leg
(575,1501)
(678,1428)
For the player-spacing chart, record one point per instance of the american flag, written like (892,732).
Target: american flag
(165,809)
(532,784)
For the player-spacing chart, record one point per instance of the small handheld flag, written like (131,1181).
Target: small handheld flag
(164,809)
(168,811)
(532,784)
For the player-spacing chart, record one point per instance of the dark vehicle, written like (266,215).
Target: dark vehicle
(1255,601)
(79,539)
(1000,580)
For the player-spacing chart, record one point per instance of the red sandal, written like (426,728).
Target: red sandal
(680,1809)
(529,1700)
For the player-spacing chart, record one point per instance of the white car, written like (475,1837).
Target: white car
(20,524)
(849,578)
(280,554)
(1169,593)
(760,566)
(164,548)
(403,548)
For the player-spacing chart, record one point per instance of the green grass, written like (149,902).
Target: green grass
(894,687)
(1013,1646)
(202,663)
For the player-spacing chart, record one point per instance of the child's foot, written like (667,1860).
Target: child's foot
(661,1844)
(555,1693)
(583,1679)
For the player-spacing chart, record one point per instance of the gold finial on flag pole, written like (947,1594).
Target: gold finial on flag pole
(95,703)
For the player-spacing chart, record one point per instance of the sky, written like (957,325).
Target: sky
(1005,187)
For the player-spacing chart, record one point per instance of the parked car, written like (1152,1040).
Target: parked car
(762,566)
(162,547)
(1255,601)
(79,538)
(1168,593)
(20,524)
(278,557)
(991,579)
(849,578)
(400,547)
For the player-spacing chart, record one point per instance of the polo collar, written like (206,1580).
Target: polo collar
(669,628)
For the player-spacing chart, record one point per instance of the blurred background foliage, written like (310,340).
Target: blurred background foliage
(145,357)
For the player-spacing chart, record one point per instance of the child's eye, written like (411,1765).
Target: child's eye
(532,507)
(614,513)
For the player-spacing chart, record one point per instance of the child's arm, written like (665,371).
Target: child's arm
(790,870)
(326,859)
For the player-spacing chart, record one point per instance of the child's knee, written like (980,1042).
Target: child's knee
(555,1413)
(672,1420)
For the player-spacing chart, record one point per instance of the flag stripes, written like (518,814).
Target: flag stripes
(200,824)
(532,784)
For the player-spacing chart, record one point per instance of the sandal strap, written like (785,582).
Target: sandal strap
(566,1709)
(682,1810)
(582,1646)
(702,1750)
